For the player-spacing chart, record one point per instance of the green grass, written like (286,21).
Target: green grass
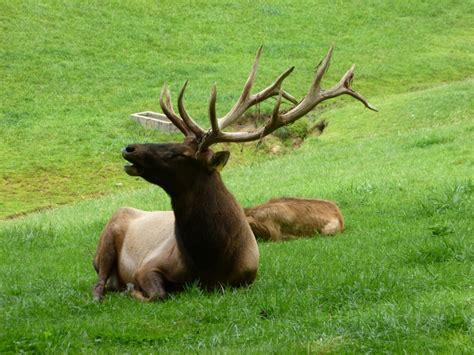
(399,279)
(72,72)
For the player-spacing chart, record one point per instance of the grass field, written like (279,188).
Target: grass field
(399,279)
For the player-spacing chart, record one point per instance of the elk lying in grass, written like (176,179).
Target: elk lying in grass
(208,239)
(288,218)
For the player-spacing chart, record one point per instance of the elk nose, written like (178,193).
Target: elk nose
(128,149)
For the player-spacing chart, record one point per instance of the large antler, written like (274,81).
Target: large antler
(216,134)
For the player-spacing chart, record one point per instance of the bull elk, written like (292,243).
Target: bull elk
(288,217)
(207,237)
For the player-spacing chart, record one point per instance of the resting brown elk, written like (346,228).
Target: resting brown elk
(207,237)
(288,217)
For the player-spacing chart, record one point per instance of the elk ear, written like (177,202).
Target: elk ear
(218,160)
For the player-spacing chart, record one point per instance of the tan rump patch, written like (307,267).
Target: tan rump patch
(332,227)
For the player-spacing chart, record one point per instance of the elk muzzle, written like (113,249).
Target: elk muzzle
(133,169)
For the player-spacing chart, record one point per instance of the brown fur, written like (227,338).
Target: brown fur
(206,238)
(287,218)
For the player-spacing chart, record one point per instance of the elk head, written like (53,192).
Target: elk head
(175,166)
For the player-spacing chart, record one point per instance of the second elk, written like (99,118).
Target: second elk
(289,217)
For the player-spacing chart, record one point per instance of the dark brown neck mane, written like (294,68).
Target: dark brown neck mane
(208,224)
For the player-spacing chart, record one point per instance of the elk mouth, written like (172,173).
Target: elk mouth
(133,169)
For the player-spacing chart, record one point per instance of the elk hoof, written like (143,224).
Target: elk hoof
(98,292)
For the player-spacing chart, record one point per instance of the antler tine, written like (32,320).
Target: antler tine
(316,94)
(212,111)
(321,69)
(187,119)
(236,110)
(246,100)
(275,89)
(275,121)
(167,108)
(289,97)
(214,134)
(253,73)
(344,86)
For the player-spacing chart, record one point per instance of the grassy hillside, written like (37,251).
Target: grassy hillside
(72,72)
(398,279)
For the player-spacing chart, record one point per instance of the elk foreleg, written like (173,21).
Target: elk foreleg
(151,285)
(105,263)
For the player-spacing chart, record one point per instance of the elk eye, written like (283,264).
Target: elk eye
(180,156)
